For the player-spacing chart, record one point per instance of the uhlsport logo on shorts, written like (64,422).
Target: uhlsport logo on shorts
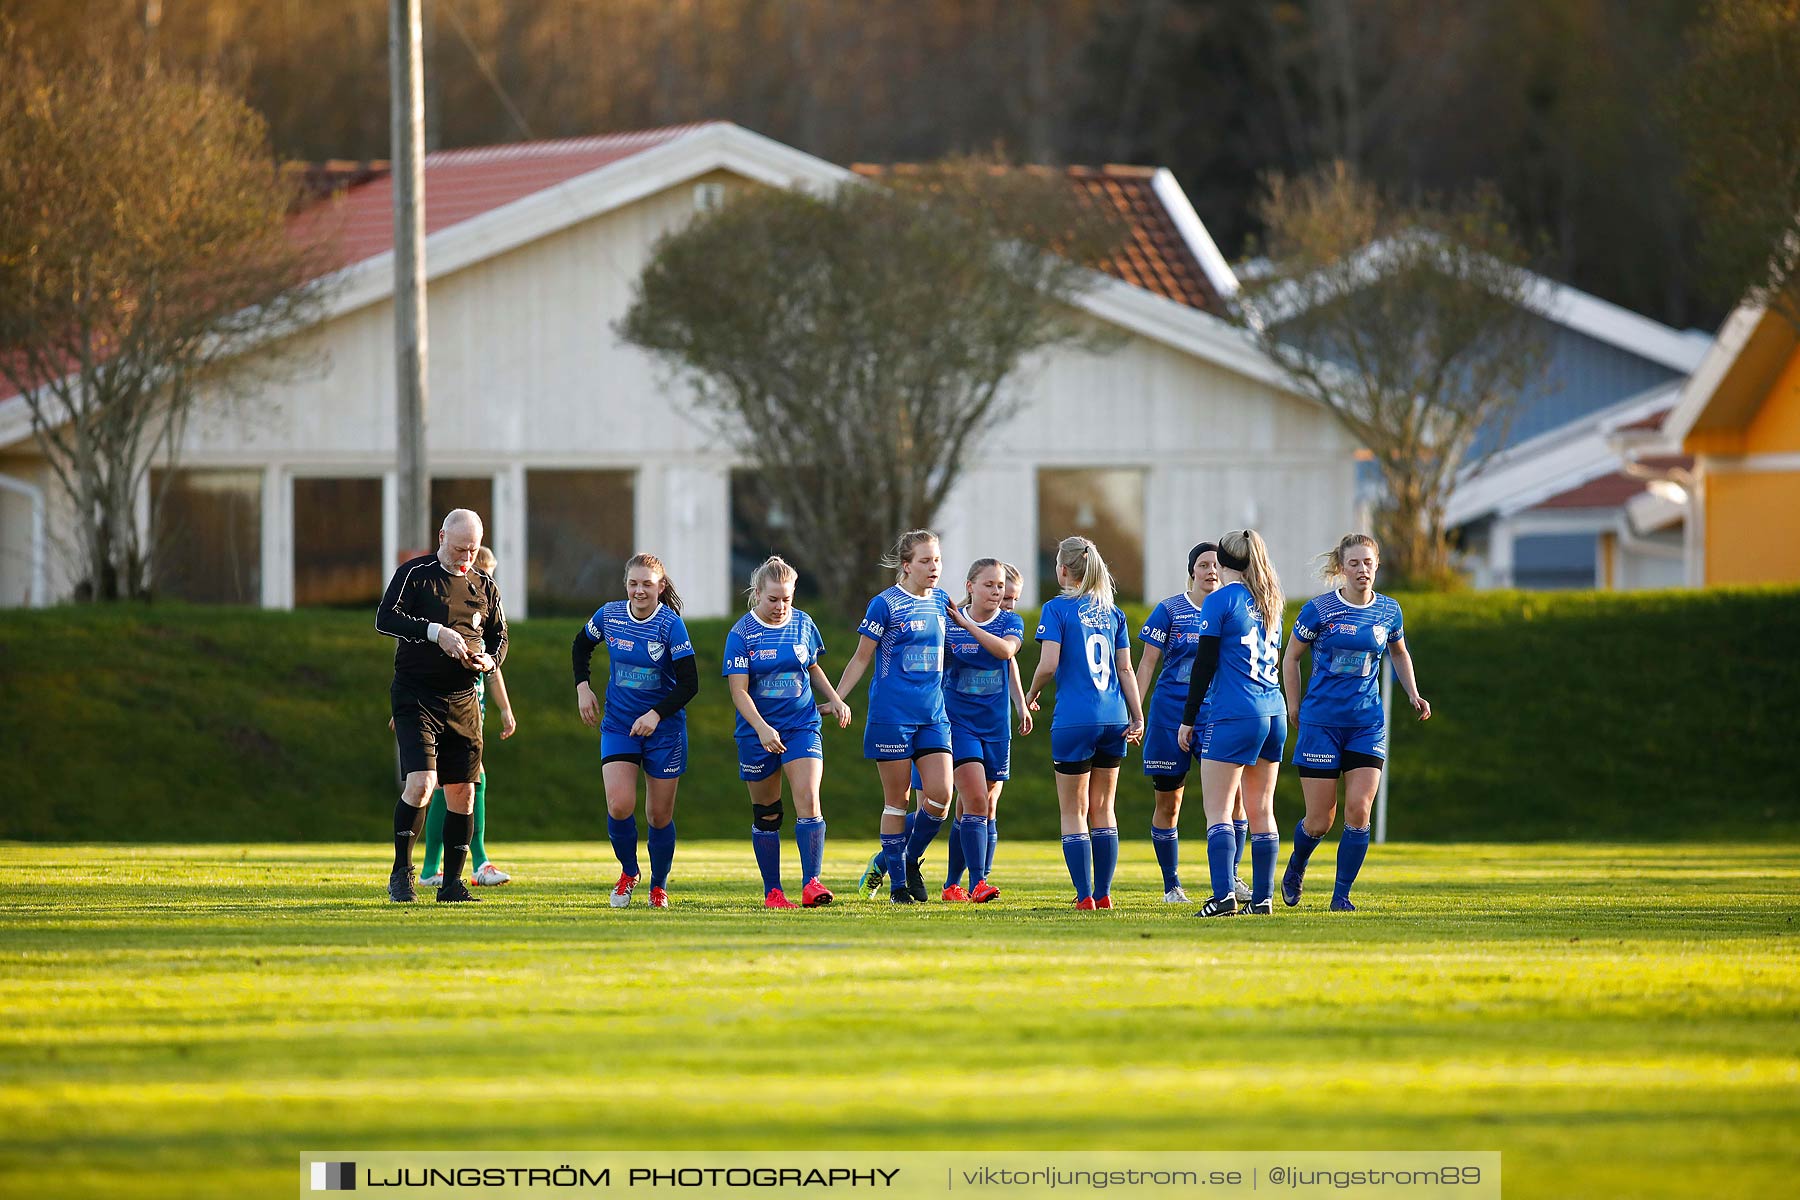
(334,1177)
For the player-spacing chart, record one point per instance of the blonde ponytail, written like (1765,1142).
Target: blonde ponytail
(1246,547)
(1081,559)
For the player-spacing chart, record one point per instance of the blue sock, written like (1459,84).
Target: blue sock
(662,854)
(893,859)
(1264,848)
(767,843)
(970,844)
(622,832)
(1106,858)
(993,840)
(925,827)
(959,855)
(1353,846)
(912,819)
(809,839)
(1221,848)
(1078,853)
(1304,844)
(1241,831)
(1167,844)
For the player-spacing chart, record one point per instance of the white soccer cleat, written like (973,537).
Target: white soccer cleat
(433,880)
(1176,896)
(621,893)
(1241,890)
(488,875)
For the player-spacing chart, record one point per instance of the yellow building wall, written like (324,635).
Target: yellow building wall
(1753,527)
(1776,427)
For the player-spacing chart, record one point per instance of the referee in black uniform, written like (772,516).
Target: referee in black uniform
(446,618)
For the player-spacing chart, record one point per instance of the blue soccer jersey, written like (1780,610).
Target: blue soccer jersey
(641,659)
(1348,645)
(1248,681)
(778,660)
(1173,627)
(907,684)
(1087,678)
(978,686)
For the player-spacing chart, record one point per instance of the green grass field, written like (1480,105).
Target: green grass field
(1616,1020)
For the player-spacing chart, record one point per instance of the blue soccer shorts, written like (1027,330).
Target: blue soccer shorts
(1245,740)
(755,763)
(885,741)
(1332,749)
(1074,745)
(662,755)
(994,754)
(1163,755)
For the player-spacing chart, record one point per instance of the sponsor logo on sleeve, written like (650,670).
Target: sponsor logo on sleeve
(593,633)
(1151,634)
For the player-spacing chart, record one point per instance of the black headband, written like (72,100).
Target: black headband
(1196,552)
(1231,561)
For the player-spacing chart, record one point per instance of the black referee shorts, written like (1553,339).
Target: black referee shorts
(438,732)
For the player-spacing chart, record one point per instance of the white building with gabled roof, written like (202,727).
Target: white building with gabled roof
(579,449)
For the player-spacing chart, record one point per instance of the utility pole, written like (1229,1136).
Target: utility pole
(406,74)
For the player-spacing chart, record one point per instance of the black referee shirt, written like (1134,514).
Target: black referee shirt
(423,593)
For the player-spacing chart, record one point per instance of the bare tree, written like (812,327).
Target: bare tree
(855,346)
(1739,111)
(143,248)
(1412,323)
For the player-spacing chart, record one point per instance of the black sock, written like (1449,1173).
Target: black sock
(457,827)
(408,820)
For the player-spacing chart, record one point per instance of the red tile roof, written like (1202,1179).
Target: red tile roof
(1156,257)
(1611,491)
(459,185)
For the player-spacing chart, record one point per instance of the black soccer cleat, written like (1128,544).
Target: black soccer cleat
(901,896)
(1219,906)
(400,886)
(915,881)
(1262,908)
(455,891)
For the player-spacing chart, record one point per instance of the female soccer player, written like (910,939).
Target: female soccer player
(977,699)
(1009,602)
(652,676)
(906,722)
(1340,718)
(486,874)
(1174,624)
(1088,651)
(772,667)
(1240,746)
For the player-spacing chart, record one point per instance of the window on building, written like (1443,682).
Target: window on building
(1550,561)
(1105,505)
(207,536)
(580,528)
(760,528)
(337,543)
(475,493)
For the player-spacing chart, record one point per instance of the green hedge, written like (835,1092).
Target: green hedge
(1617,717)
